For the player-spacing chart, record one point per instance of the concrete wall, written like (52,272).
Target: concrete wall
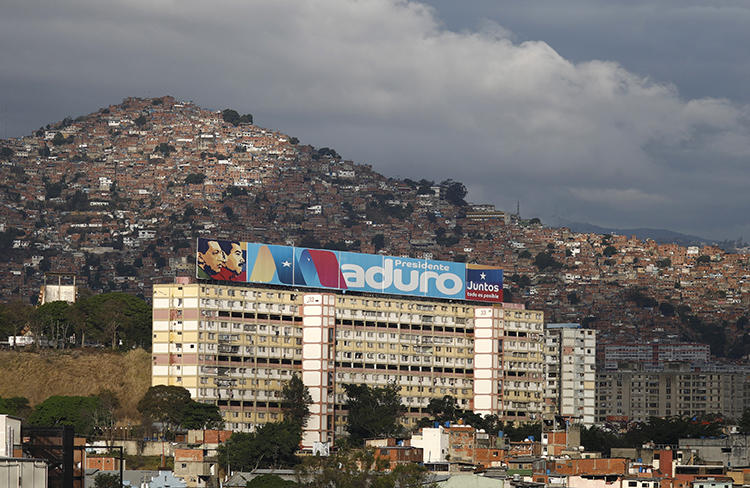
(733,450)
(150,448)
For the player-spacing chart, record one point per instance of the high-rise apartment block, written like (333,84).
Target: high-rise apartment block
(237,344)
(570,367)
(654,354)
(637,392)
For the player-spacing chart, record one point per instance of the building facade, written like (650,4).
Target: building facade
(635,392)
(236,346)
(570,368)
(654,354)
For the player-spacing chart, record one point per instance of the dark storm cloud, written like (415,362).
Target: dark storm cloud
(390,83)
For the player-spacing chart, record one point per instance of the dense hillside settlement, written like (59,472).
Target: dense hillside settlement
(118,198)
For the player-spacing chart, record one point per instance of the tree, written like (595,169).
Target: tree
(596,439)
(164,404)
(15,406)
(197,415)
(703,259)
(744,422)
(14,316)
(296,401)
(273,444)
(378,242)
(444,409)
(455,193)
(164,148)
(56,410)
(346,469)
(358,468)
(666,309)
(270,481)
(6,153)
(115,317)
(54,318)
(104,418)
(140,121)
(230,116)
(107,480)
(609,251)
(58,140)
(172,407)
(195,179)
(374,412)
(545,260)
(233,117)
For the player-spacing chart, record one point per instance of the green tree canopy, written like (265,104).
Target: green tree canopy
(6,153)
(164,404)
(609,251)
(14,316)
(374,412)
(455,192)
(114,317)
(444,409)
(233,117)
(107,480)
(195,179)
(197,415)
(544,260)
(744,422)
(164,148)
(173,408)
(357,468)
(270,481)
(296,401)
(15,406)
(57,410)
(272,445)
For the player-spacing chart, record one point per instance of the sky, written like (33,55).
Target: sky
(620,113)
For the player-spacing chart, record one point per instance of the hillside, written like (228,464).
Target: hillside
(119,196)
(38,376)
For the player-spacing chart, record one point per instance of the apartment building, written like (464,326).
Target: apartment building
(636,392)
(570,367)
(236,345)
(654,353)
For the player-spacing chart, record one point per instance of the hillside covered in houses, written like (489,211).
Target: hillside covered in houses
(118,197)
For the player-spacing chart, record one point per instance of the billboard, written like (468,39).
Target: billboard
(249,262)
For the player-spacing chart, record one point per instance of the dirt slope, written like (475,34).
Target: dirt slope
(37,376)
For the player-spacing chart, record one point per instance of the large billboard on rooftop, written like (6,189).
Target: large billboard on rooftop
(250,262)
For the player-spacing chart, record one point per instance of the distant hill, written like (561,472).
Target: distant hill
(662,236)
(38,376)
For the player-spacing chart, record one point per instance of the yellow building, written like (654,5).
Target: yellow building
(237,344)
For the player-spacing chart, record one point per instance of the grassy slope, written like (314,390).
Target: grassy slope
(38,376)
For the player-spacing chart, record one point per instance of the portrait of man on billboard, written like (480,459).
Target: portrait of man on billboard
(211,259)
(234,263)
